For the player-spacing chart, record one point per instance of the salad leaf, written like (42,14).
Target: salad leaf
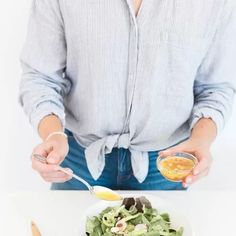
(128,202)
(92,224)
(135,217)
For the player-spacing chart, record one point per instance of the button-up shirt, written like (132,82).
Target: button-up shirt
(117,80)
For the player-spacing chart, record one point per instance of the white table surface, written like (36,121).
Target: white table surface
(212,213)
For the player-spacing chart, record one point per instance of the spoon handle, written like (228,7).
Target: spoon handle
(43,159)
(77,177)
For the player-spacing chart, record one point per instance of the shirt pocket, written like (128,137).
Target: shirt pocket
(190,43)
(181,57)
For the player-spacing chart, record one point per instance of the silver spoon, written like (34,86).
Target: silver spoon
(94,190)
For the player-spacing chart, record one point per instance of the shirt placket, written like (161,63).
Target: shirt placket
(131,81)
(133,62)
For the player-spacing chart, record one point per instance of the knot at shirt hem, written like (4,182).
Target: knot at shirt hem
(96,151)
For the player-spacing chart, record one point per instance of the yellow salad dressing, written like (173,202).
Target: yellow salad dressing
(176,168)
(109,196)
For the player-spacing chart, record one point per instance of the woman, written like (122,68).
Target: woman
(109,84)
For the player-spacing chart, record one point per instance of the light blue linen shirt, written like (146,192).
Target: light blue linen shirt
(116,80)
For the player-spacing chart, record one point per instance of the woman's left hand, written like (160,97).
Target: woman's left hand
(201,151)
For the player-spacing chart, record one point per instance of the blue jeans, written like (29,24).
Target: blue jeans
(117,174)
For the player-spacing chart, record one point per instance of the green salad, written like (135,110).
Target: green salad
(134,217)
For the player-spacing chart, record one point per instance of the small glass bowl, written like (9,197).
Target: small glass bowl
(176,175)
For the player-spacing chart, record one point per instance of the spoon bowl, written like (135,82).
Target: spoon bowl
(98,191)
(106,194)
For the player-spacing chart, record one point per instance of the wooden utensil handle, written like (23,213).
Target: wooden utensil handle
(35,230)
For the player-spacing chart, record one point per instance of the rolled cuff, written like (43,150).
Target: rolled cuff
(208,113)
(46,109)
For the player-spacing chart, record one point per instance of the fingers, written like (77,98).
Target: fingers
(43,168)
(51,173)
(56,177)
(54,158)
(56,174)
(200,152)
(55,151)
(204,163)
(43,149)
(201,170)
(40,150)
(193,178)
(56,180)
(170,151)
(201,166)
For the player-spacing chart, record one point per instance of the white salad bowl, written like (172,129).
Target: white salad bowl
(176,217)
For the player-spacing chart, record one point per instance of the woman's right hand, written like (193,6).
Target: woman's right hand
(55,150)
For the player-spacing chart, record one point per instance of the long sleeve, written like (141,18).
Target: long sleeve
(43,59)
(214,86)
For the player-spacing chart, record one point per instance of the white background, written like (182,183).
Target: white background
(17,138)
